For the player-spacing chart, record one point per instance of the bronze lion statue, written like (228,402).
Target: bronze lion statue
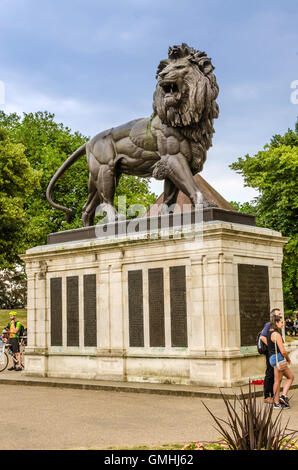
(170,145)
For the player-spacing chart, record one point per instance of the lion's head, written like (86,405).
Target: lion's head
(185,96)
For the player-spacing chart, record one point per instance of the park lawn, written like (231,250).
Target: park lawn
(141,447)
(4,317)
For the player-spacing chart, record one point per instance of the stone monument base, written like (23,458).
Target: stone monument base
(178,305)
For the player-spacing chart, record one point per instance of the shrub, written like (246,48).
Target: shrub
(253,426)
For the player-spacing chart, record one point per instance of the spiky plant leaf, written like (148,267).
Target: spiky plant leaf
(253,427)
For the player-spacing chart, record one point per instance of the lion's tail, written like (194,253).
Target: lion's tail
(70,160)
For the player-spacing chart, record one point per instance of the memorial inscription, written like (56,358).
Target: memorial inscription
(72,295)
(254,301)
(135,303)
(56,311)
(90,310)
(156,307)
(178,306)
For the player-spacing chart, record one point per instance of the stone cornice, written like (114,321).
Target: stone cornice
(213,230)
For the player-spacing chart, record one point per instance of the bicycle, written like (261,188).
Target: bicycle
(6,353)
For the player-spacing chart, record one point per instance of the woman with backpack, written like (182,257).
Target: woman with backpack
(279,360)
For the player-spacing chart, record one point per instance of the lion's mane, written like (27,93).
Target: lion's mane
(194,114)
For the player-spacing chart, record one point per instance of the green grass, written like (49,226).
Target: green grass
(4,317)
(141,447)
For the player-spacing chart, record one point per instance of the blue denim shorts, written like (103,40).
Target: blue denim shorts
(272,359)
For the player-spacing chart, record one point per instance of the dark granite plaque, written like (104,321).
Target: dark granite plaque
(72,296)
(254,302)
(178,306)
(56,311)
(156,308)
(90,310)
(135,304)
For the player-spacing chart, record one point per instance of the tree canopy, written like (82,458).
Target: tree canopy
(18,180)
(273,171)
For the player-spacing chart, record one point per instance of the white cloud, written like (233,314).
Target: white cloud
(78,114)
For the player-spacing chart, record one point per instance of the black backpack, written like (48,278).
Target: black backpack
(21,330)
(262,348)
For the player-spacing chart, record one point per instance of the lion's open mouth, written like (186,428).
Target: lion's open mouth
(170,89)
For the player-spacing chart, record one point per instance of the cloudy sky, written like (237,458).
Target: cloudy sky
(93,64)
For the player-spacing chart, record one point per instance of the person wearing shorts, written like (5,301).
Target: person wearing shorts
(269,374)
(14,333)
(277,353)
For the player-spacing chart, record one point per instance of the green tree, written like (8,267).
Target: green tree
(46,145)
(273,172)
(245,207)
(137,192)
(18,180)
(13,288)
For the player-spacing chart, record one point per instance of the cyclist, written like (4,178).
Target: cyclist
(14,333)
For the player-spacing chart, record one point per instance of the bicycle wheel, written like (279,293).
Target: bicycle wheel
(4,364)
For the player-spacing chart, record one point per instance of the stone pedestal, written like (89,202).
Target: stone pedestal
(181,305)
